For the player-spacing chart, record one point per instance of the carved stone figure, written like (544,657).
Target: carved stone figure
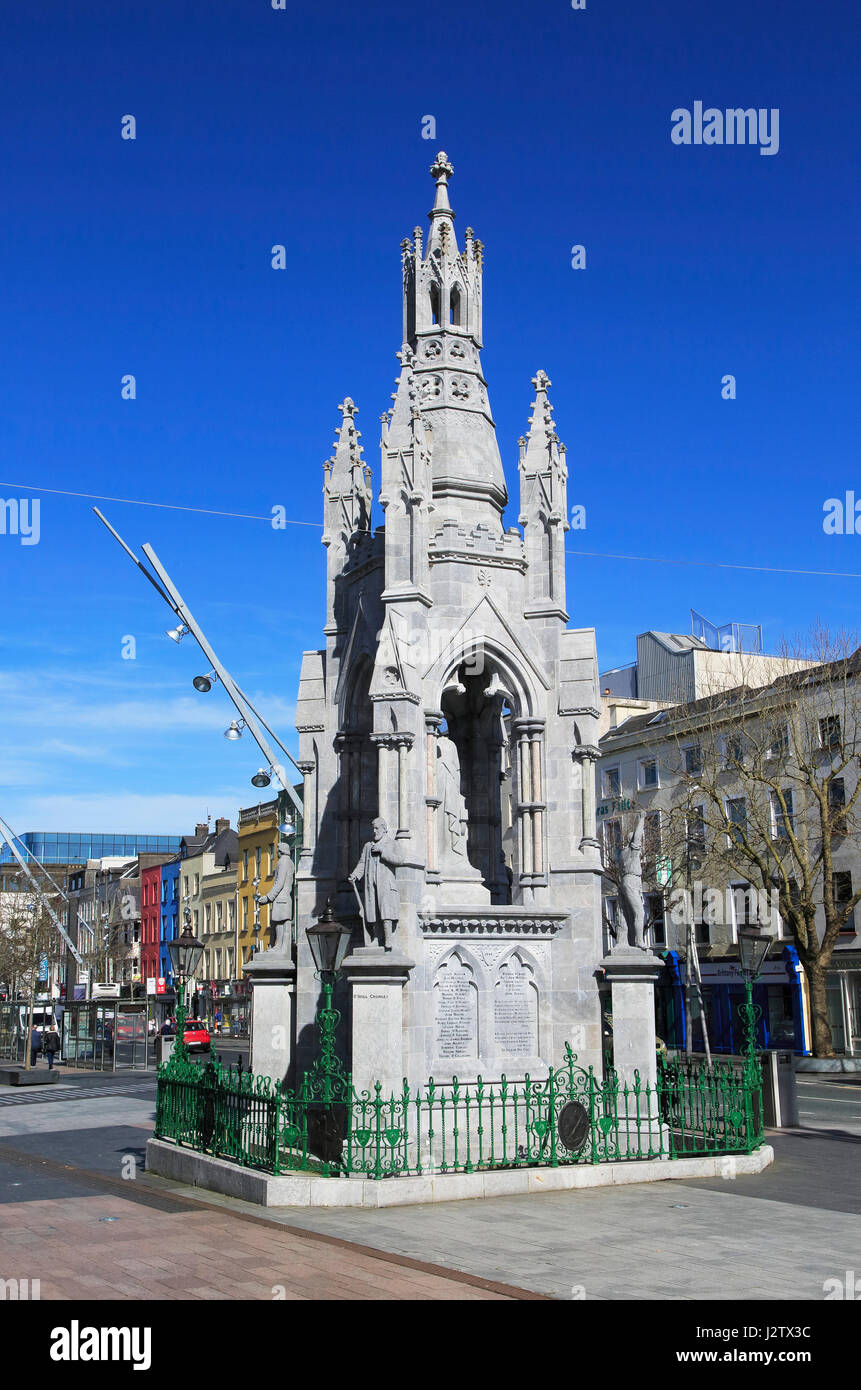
(379,900)
(280,896)
(452,804)
(631,885)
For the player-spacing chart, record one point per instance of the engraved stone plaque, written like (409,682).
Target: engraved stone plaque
(515,1010)
(456,1010)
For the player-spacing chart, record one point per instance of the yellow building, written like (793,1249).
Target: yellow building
(258,839)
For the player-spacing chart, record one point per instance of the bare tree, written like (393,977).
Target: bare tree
(773,772)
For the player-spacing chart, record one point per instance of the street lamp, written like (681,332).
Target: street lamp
(261,778)
(185,953)
(329,941)
(204,684)
(753,947)
(234,730)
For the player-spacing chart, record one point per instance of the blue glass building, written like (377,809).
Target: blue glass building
(75,847)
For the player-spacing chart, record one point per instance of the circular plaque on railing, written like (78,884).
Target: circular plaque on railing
(573,1126)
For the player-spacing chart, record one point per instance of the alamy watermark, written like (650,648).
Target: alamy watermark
(21,516)
(733,126)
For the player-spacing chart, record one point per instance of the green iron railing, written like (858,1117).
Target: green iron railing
(571,1116)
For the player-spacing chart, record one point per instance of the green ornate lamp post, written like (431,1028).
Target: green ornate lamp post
(185,953)
(329,941)
(753,947)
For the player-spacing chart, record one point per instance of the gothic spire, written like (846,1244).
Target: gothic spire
(347,485)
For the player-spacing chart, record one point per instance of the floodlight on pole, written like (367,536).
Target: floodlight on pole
(235,730)
(261,778)
(250,718)
(176,634)
(205,683)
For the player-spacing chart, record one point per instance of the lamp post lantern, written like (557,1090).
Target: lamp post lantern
(753,946)
(329,941)
(185,953)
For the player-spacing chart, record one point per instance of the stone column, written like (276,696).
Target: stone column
(377,979)
(586,757)
(308,769)
(433,719)
(273,1002)
(631,973)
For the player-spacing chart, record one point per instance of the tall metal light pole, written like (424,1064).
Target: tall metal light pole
(250,717)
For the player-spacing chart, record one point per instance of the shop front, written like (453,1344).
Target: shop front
(779,995)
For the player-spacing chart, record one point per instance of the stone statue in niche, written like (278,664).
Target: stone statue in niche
(452,804)
(629,859)
(280,896)
(379,900)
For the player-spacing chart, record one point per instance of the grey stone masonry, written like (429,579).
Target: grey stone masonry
(453,701)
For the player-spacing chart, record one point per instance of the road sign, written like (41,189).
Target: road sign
(663,872)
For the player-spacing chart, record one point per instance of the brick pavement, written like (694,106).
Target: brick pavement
(148,1254)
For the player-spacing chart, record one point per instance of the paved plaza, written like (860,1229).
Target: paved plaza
(80,1213)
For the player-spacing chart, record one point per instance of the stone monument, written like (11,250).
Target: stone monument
(453,702)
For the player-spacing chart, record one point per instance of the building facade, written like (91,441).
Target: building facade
(208,880)
(657,763)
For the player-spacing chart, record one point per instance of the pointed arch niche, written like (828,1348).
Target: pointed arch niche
(358,801)
(456,1015)
(516,1008)
(489,743)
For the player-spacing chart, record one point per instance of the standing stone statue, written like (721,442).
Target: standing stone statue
(280,896)
(379,900)
(631,885)
(452,804)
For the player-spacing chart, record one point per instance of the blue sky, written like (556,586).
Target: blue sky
(304,127)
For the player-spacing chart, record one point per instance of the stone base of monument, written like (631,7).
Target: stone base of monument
(376,978)
(169,1165)
(273,1000)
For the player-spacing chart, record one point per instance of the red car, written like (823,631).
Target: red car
(196,1035)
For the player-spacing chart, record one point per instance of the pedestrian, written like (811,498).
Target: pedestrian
(52,1045)
(35,1045)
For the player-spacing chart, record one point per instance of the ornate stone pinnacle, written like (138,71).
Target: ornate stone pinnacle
(441,169)
(348,407)
(541,381)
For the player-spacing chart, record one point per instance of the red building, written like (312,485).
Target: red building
(150,920)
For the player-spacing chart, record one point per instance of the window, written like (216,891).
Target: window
(196,921)
(736,814)
(829,732)
(841,883)
(257,854)
(743,900)
(245,864)
(219,909)
(695,828)
(454,307)
(612,915)
(653,904)
(244,914)
(702,934)
(612,838)
(693,760)
(652,834)
(836,804)
(612,784)
(185,885)
(648,774)
(781,822)
(734,750)
(778,743)
(434,303)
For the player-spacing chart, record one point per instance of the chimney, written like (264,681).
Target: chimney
(223,823)
(201,829)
